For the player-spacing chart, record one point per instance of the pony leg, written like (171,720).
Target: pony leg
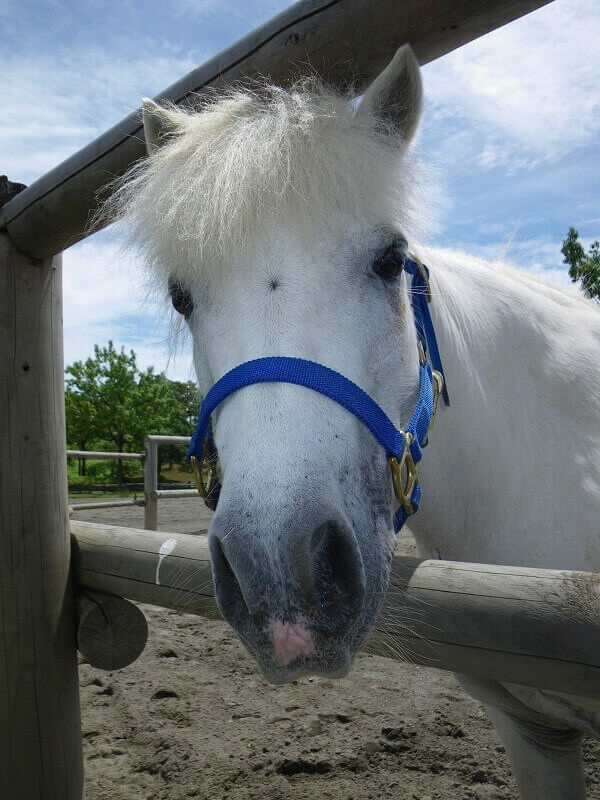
(544,752)
(546,760)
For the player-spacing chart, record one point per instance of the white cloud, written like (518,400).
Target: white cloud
(205,6)
(106,297)
(492,228)
(526,93)
(53,106)
(262,9)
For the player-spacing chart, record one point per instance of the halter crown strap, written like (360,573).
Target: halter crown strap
(403,448)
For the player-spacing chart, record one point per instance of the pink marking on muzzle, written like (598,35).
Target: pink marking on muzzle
(291,641)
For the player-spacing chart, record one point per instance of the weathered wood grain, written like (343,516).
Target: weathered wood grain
(174,494)
(530,626)
(111,632)
(133,501)
(343,41)
(160,439)
(40,735)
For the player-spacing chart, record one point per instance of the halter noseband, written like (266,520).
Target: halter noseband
(404,448)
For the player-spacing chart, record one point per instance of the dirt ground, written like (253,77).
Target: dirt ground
(193,718)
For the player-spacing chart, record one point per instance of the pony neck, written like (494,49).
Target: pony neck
(493,475)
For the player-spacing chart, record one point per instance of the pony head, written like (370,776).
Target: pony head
(266,213)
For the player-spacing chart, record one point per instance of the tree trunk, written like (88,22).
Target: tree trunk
(120,445)
(82,461)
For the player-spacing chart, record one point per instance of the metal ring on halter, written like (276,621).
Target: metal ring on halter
(207,477)
(404,476)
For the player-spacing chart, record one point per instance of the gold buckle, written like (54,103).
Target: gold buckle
(207,474)
(425,277)
(438,388)
(404,484)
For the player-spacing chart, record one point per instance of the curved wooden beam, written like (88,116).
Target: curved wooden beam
(343,41)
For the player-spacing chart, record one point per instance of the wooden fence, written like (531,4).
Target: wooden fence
(530,626)
(152,493)
(40,735)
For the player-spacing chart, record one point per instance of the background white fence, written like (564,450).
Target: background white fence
(152,494)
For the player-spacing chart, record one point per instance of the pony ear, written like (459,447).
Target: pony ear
(396,94)
(159,124)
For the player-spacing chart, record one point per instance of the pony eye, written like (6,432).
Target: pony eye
(391,263)
(181,297)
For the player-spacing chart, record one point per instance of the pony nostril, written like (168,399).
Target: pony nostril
(231,598)
(338,575)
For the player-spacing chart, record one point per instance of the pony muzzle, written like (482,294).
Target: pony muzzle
(293,605)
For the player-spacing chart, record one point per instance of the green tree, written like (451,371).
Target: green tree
(112,402)
(80,423)
(584,267)
(184,411)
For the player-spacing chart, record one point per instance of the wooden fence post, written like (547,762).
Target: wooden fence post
(151,485)
(40,729)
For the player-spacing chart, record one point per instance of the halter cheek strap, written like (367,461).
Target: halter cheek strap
(403,448)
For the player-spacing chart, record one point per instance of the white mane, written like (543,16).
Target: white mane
(256,158)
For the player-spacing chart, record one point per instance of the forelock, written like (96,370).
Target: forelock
(248,160)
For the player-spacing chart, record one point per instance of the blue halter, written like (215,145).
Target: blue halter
(404,448)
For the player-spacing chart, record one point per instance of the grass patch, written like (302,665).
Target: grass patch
(177,475)
(103,495)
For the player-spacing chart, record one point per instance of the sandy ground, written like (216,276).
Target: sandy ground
(192,718)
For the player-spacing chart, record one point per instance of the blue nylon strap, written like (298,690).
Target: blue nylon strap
(421,418)
(402,514)
(284,369)
(423,321)
(332,384)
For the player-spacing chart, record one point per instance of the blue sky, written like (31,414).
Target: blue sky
(511,128)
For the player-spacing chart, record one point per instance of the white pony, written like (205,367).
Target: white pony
(265,212)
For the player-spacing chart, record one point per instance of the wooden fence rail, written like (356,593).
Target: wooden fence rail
(101,455)
(152,492)
(515,624)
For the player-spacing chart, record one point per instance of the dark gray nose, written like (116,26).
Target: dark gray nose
(260,578)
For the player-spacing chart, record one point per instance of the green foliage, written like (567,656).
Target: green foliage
(584,267)
(111,405)
(186,403)
(96,472)
(104,472)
